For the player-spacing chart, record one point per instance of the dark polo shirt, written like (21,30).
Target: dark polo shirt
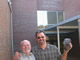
(50,53)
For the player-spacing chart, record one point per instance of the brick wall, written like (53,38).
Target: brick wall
(5,38)
(71,8)
(50,5)
(24,21)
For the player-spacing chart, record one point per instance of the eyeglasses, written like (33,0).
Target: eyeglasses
(40,37)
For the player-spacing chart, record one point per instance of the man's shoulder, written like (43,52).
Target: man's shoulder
(52,46)
(34,47)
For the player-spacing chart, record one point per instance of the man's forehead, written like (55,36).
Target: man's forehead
(25,42)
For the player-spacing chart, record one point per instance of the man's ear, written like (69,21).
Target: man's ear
(47,38)
(36,38)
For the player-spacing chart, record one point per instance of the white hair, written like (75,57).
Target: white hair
(24,41)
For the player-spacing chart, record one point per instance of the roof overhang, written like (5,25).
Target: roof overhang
(69,23)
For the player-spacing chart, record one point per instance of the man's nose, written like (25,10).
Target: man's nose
(41,38)
(26,46)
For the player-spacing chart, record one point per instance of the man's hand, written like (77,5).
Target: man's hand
(70,47)
(64,56)
(16,56)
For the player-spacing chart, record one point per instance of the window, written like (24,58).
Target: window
(46,18)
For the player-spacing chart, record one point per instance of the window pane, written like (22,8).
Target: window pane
(60,16)
(41,19)
(52,19)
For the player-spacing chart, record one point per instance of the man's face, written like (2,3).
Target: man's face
(41,38)
(25,47)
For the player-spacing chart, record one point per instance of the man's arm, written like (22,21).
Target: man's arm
(16,56)
(64,55)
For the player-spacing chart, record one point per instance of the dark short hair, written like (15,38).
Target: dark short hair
(39,31)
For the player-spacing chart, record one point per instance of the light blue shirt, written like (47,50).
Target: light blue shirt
(25,57)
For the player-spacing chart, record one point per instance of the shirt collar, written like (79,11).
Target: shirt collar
(46,47)
(25,54)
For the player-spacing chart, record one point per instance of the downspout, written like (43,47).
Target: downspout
(10,7)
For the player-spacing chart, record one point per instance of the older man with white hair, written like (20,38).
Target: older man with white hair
(25,54)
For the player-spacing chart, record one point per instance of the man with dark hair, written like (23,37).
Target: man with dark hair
(44,51)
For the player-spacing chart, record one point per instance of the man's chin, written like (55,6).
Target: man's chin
(41,43)
(27,51)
